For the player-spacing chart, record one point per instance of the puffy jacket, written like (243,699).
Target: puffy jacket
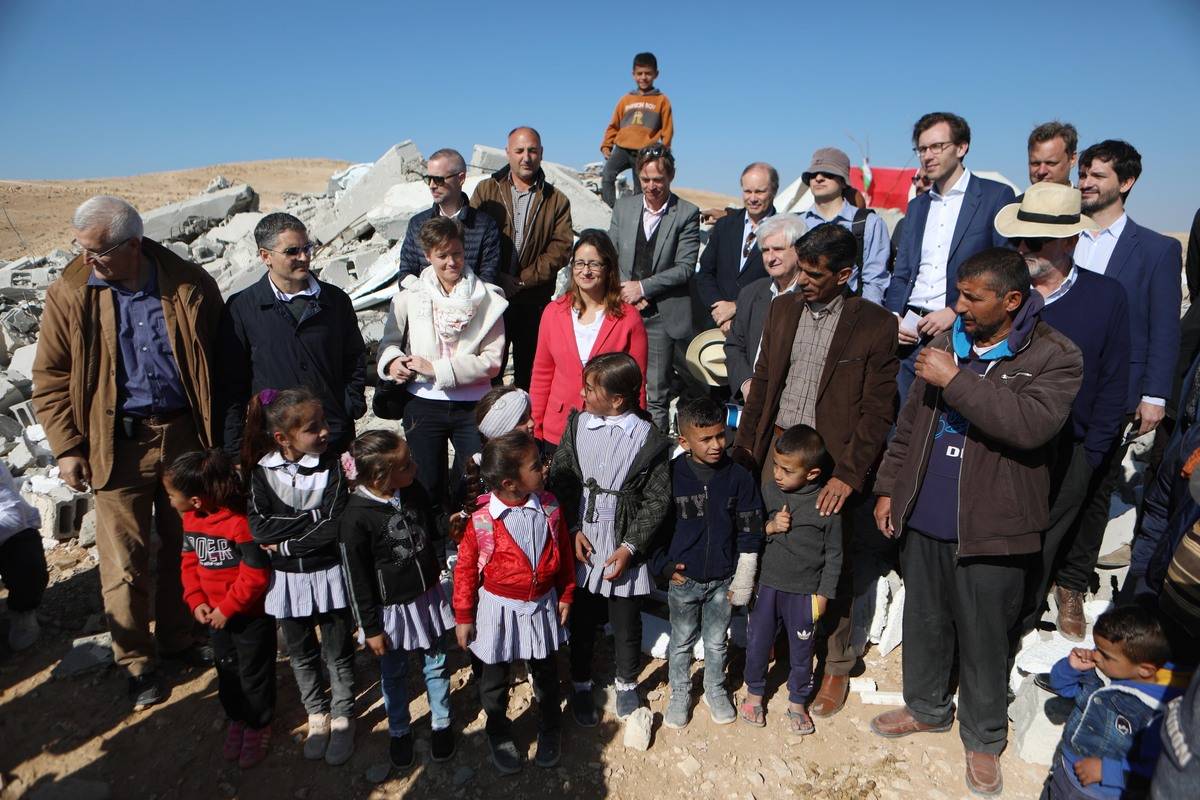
(481,242)
(507,572)
(1168,513)
(1015,410)
(390,554)
(714,522)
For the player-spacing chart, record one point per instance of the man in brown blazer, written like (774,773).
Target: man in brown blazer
(828,360)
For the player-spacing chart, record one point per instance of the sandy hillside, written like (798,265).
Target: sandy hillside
(41,210)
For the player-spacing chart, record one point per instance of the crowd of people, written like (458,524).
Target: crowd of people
(954,402)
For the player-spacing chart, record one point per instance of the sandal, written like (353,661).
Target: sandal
(752,713)
(800,723)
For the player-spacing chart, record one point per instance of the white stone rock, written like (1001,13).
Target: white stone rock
(882,698)
(238,227)
(179,248)
(1034,735)
(401,163)
(637,729)
(189,218)
(21,363)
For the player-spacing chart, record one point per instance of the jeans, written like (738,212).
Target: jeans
(698,609)
(336,648)
(971,603)
(393,666)
(588,613)
(493,695)
(428,426)
(244,651)
(619,160)
(23,568)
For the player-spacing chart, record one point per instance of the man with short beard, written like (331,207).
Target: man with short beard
(1092,312)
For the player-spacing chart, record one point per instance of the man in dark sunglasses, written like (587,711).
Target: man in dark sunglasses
(445,175)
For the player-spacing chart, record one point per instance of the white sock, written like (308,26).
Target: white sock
(625,686)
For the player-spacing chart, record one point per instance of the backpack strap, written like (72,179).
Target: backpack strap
(859,229)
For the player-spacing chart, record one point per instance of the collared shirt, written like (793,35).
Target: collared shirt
(877,247)
(1095,248)
(521,202)
(929,291)
(775,292)
(1063,287)
(651,218)
(312,290)
(749,228)
(526,523)
(148,381)
(810,349)
(627,423)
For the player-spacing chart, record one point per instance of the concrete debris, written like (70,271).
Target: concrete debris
(217,184)
(638,729)
(1034,733)
(187,219)
(21,362)
(86,654)
(400,164)
(343,180)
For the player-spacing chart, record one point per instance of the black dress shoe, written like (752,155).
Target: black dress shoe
(505,755)
(1042,681)
(146,690)
(197,656)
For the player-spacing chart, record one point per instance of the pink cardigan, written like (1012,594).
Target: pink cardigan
(557,381)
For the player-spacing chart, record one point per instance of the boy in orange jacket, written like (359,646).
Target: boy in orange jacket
(640,118)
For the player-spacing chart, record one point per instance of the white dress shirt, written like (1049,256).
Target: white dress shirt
(651,218)
(748,228)
(585,334)
(929,291)
(312,290)
(1063,287)
(1095,248)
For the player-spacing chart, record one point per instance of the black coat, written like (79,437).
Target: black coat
(261,346)
(390,556)
(719,278)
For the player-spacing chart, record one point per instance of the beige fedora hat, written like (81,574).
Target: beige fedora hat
(1046,211)
(706,358)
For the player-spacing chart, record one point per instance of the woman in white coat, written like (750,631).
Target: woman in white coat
(444,340)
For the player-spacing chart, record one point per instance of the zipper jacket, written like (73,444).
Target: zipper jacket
(296,506)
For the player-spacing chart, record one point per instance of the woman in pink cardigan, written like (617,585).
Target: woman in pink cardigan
(589,319)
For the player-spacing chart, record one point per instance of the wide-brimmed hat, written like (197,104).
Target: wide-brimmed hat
(831,161)
(1046,211)
(706,358)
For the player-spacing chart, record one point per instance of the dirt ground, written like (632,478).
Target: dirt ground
(71,736)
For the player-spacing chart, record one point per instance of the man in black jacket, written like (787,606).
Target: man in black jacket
(290,330)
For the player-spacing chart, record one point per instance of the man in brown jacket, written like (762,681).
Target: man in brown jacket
(535,242)
(828,360)
(966,480)
(121,387)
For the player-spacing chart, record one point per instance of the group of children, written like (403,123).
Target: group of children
(328,543)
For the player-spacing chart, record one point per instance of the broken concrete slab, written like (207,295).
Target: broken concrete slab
(401,163)
(21,362)
(187,219)
(87,653)
(342,180)
(238,227)
(1034,734)
(217,184)
(587,210)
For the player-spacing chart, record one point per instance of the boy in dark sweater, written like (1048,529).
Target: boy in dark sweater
(710,558)
(801,565)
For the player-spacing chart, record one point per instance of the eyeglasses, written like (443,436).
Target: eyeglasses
(292,252)
(1033,244)
(438,180)
(654,151)
(936,148)
(581,266)
(78,249)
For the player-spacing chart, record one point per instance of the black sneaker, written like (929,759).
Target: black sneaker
(583,708)
(146,690)
(549,749)
(401,752)
(505,755)
(627,702)
(197,656)
(443,745)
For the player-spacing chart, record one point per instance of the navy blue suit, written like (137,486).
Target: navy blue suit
(718,277)
(1148,264)
(973,232)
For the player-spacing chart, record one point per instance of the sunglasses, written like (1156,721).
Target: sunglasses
(438,180)
(1032,244)
(292,252)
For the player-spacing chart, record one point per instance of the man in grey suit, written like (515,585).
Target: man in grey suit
(777,237)
(657,236)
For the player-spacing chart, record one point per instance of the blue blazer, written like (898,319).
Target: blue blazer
(973,232)
(1148,265)
(718,277)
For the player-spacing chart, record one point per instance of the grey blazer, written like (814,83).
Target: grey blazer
(676,251)
(741,345)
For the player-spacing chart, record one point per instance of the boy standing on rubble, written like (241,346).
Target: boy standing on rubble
(641,117)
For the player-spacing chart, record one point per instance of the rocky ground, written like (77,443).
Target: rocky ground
(72,737)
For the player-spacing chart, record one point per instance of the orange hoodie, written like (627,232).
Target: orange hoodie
(638,120)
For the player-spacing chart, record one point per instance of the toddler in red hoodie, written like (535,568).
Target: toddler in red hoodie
(225,577)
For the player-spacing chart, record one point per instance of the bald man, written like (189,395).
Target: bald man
(535,241)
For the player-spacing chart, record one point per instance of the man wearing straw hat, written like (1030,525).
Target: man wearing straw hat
(1092,311)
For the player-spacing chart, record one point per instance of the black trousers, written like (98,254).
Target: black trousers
(23,568)
(588,613)
(493,695)
(1078,560)
(522,319)
(1070,479)
(244,651)
(973,603)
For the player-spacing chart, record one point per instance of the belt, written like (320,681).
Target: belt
(128,424)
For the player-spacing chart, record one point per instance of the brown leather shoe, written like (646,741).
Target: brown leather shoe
(831,696)
(900,722)
(1070,620)
(983,773)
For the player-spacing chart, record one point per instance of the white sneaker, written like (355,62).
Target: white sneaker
(318,737)
(23,629)
(341,741)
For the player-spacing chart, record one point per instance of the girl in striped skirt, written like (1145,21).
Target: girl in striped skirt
(513,585)
(296,495)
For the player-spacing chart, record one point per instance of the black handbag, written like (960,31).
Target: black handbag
(390,399)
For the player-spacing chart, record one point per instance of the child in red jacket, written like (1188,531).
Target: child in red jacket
(225,577)
(513,585)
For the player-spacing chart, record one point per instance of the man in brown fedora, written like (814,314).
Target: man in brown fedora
(828,360)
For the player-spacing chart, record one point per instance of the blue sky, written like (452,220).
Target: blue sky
(100,89)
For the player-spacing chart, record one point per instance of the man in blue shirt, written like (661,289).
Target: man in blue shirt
(827,178)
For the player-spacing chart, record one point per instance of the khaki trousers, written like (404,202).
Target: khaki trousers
(128,507)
